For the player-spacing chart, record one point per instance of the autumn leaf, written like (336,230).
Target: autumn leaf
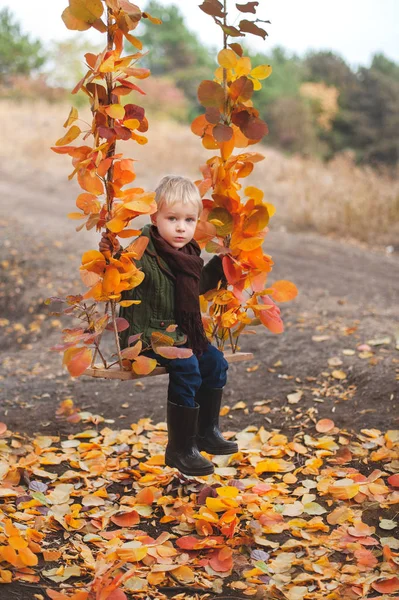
(143,365)
(70,135)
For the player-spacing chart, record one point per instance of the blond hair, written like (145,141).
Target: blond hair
(175,188)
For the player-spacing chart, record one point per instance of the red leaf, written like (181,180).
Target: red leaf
(386,586)
(249,7)
(187,542)
(241,89)
(394,480)
(210,93)
(222,133)
(121,325)
(232,270)
(250,27)
(213,8)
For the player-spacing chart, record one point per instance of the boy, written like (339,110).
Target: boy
(174,279)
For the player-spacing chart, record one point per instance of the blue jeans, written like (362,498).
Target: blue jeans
(186,375)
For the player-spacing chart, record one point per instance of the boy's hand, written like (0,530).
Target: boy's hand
(109,244)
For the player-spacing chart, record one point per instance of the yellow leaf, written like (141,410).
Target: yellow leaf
(86,10)
(249,244)
(72,23)
(227,59)
(126,303)
(219,505)
(277,465)
(243,66)
(228,491)
(70,135)
(76,216)
(344,489)
(254,192)
(261,72)
(184,573)
(131,123)
(115,111)
(73,115)
(131,554)
(338,374)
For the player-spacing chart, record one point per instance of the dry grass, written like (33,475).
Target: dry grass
(338,198)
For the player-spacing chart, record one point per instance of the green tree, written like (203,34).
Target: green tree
(175,51)
(19,55)
(384,65)
(328,67)
(369,120)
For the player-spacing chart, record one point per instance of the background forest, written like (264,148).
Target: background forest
(314,104)
(333,129)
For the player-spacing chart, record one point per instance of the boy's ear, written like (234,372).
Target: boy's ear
(153,218)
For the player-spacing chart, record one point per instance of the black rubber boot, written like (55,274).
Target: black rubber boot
(182,450)
(209,436)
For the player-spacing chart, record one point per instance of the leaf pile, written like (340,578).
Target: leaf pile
(283,518)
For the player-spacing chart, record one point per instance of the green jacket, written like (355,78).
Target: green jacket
(157,295)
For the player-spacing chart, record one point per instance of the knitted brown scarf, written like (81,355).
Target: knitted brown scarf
(186,265)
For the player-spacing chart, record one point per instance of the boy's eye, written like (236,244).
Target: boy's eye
(171,218)
(190,219)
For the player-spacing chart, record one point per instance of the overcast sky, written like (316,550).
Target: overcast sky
(356,29)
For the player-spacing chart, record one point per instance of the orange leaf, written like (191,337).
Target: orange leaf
(51,555)
(138,246)
(284,291)
(9,555)
(88,203)
(3,428)
(77,360)
(366,558)
(17,542)
(127,519)
(92,184)
(132,352)
(112,279)
(386,586)
(271,317)
(220,564)
(324,425)
(146,495)
(172,352)
(143,365)
(28,558)
(72,23)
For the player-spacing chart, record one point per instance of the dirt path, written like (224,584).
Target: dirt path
(348,296)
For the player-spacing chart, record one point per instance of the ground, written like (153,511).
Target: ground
(339,349)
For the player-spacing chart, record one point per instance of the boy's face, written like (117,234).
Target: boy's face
(176,223)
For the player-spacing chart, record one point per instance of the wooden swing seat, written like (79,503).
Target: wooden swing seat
(114,372)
